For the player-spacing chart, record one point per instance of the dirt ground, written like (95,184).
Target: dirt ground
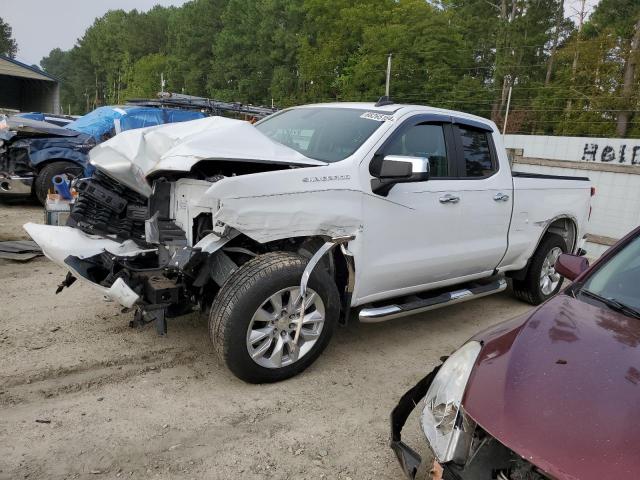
(82,395)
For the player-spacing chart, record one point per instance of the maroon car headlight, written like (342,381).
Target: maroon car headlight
(447,428)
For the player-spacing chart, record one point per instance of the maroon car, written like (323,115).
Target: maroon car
(551,394)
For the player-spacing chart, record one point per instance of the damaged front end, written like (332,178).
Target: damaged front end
(128,247)
(462,449)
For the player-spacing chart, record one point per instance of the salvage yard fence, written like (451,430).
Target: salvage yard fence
(612,164)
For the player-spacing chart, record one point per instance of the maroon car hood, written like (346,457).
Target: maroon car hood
(562,389)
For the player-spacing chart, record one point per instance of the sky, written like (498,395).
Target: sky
(39,26)
(572,8)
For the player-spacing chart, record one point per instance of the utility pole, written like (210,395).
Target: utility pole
(506,114)
(574,66)
(386,88)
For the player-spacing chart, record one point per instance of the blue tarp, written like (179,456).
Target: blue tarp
(100,123)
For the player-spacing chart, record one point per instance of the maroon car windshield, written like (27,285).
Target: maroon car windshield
(617,281)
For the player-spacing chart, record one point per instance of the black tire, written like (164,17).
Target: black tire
(50,170)
(241,296)
(528,289)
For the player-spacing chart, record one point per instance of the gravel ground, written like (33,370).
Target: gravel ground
(82,395)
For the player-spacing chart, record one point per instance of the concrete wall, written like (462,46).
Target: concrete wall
(613,151)
(612,165)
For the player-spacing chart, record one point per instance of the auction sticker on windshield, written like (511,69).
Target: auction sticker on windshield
(380,117)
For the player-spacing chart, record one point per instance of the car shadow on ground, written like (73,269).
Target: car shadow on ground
(428,331)
(19,201)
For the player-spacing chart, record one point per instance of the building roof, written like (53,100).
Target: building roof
(14,68)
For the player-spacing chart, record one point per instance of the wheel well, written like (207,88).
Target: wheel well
(565,228)
(44,163)
(334,262)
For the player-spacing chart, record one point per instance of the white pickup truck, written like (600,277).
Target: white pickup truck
(279,231)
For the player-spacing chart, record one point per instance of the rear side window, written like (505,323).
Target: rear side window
(424,140)
(478,161)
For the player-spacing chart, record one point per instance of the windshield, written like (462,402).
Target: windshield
(619,278)
(327,134)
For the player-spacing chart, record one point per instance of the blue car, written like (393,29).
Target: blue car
(33,152)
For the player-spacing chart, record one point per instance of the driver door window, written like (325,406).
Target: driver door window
(423,140)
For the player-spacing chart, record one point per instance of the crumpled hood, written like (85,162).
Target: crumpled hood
(133,155)
(27,127)
(562,389)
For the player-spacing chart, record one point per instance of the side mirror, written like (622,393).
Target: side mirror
(571,266)
(394,169)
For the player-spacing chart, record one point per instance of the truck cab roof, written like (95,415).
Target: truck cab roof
(399,110)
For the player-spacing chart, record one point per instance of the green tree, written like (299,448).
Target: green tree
(421,70)
(192,33)
(459,54)
(256,50)
(8,45)
(143,79)
(621,19)
(59,63)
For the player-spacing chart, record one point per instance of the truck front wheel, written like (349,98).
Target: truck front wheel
(254,318)
(44,179)
(541,281)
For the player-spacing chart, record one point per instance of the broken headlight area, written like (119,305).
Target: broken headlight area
(461,447)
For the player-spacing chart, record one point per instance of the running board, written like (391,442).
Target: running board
(388,312)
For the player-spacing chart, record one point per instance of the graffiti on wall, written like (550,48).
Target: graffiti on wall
(626,154)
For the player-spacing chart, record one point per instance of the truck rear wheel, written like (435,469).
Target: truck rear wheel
(541,281)
(45,177)
(254,318)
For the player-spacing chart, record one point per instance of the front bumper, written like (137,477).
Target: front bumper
(409,459)
(15,185)
(66,245)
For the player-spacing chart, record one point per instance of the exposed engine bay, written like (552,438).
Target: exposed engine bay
(106,207)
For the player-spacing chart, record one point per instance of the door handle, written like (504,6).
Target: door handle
(501,197)
(448,198)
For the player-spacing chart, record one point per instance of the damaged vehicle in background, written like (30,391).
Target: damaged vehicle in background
(552,394)
(33,149)
(278,230)
(59,120)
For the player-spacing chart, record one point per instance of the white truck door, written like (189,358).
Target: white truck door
(438,232)
(485,193)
